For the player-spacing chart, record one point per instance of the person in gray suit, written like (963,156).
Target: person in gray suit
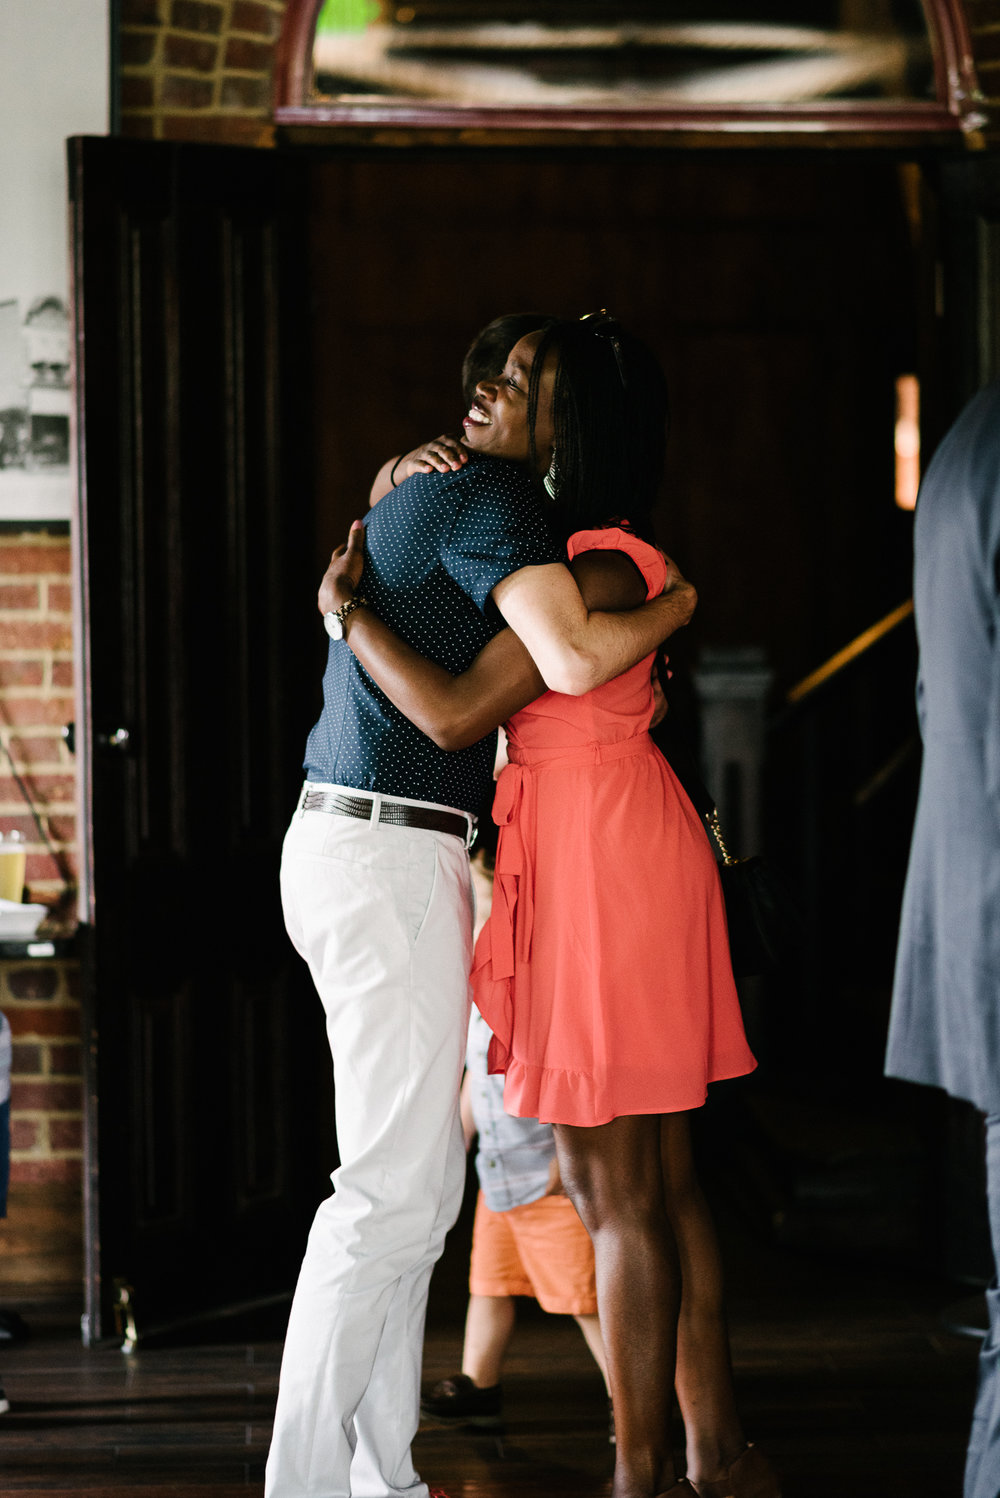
(945,1025)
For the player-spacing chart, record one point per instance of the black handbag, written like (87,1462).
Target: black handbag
(766,929)
(764,918)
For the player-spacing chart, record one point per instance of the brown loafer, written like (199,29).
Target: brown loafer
(749,1476)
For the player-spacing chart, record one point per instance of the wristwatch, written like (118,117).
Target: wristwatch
(334,621)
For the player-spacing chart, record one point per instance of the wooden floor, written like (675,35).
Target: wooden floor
(851,1381)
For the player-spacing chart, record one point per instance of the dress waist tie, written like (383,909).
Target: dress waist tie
(512,915)
(506,939)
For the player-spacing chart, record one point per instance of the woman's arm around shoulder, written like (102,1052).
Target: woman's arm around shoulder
(577,645)
(456,711)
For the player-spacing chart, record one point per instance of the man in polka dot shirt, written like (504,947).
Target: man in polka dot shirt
(377,899)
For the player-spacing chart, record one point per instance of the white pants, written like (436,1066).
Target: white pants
(383,916)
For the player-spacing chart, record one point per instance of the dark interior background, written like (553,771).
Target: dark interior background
(781,296)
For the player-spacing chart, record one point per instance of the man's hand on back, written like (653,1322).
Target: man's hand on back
(341,578)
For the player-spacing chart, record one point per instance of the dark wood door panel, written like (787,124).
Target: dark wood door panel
(197,530)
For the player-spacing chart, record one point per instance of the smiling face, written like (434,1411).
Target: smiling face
(497,421)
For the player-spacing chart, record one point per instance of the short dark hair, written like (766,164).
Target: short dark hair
(487,354)
(609,409)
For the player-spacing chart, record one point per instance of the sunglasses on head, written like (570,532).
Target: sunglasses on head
(605,326)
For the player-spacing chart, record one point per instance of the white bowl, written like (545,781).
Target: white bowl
(20,922)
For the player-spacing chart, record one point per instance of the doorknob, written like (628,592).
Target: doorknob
(119,738)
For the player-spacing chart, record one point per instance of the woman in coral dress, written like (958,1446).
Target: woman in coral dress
(604,969)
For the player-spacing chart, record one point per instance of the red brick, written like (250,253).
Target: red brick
(20,596)
(64,1060)
(60,598)
(251,57)
(141,13)
(41,868)
(25,825)
(180,92)
(20,560)
(45,1097)
(61,1020)
(44,891)
(27,1057)
(986,46)
(43,1169)
(39,981)
(49,790)
(227,130)
(196,54)
(62,829)
(62,673)
(24,1133)
(138,127)
(138,48)
(66,1134)
(32,712)
(196,15)
(14,673)
(38,749)
(73,979)
(248,15)
(136,93)
(37,634)
(246,93)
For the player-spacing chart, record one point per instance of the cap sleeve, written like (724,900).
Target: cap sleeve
(613,538)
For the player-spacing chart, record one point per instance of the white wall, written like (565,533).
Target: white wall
(54,65)
(53,83)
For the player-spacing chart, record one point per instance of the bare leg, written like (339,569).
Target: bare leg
(591,1328)
(614,1178)
(704,1371)
(489,1326)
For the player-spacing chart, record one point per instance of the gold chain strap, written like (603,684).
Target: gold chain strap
(713,822)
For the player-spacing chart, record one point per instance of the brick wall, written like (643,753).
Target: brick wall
(203,69)
(40,1242)
(40,999)
(199,69)
(984,29)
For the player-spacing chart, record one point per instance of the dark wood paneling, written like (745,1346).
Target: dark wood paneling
(780,294)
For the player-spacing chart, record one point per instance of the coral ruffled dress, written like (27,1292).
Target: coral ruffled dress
(604,968)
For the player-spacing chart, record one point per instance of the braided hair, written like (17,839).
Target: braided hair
(609,411)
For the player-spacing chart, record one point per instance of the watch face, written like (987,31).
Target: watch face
(334,626)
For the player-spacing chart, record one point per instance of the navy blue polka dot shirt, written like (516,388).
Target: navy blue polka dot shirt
(436,547)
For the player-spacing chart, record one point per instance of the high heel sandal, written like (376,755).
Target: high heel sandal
(749,1476)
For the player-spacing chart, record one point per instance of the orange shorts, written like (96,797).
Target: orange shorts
(541,1249)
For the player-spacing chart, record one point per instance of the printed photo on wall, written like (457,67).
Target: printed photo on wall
(34,386)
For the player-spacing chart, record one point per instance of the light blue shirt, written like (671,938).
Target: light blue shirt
(514,1154)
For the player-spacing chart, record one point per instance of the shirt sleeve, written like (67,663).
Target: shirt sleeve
(498,528)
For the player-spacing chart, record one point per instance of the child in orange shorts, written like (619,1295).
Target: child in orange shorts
(527,1240)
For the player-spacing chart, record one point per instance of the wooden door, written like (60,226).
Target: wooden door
(198,587)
